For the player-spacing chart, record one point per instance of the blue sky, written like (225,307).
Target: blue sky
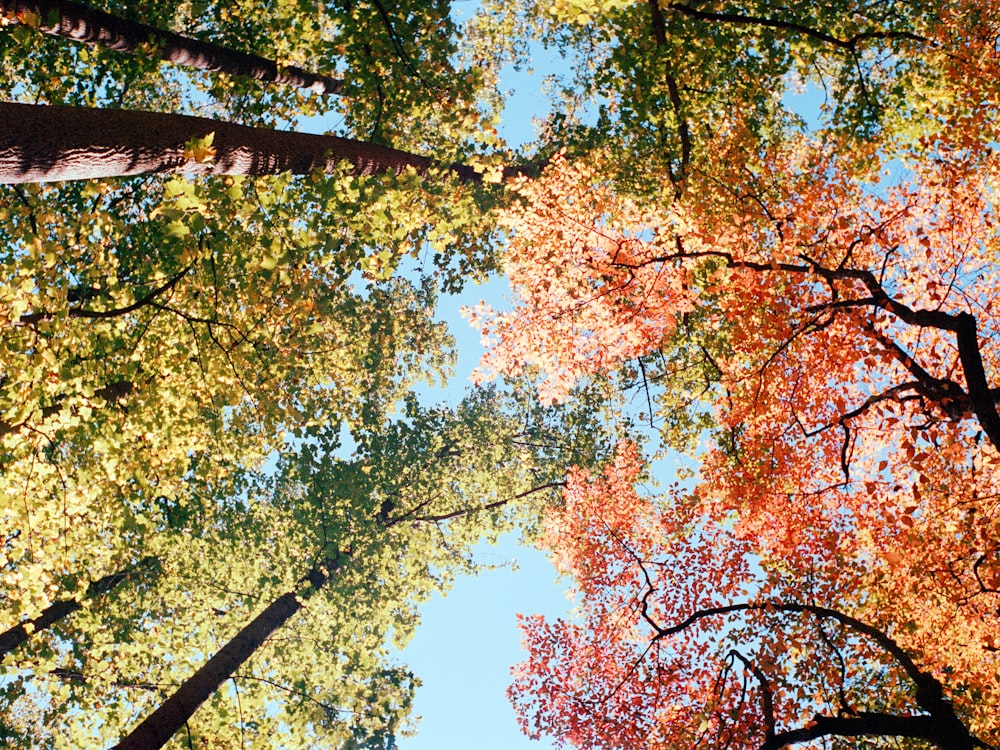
(468,640)
(465,646)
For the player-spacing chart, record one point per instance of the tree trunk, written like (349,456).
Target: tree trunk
(16,636)
(41,143)
(157,728)
(82,24)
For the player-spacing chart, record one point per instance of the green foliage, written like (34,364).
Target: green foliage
(164,337)
(658,87)
(395,506)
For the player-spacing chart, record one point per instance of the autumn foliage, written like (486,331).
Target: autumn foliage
(207,414)
(839,309)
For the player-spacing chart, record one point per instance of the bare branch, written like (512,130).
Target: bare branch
(487,506)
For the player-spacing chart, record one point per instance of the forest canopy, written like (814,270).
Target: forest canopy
(752,238)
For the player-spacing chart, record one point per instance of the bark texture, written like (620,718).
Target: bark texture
(157,728)
(82,24)
(41,143)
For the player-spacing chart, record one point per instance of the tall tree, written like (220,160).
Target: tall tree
(673,77)
(843,342)
(152,350)
(401,518)
(175,332)
(70,20)
(217,353)
(400,83)
(821,307)
(45,143)
(157,728)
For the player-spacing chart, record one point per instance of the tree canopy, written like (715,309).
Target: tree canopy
(819,303)
(762,235)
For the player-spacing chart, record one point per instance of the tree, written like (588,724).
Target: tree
(80,23)
(95,144)
(157,728)
(400,84)
(848,364)
(831,334)
(93,467)
(173,334)
(673,77)
(755,273)
(664,653)
(400,516)
(176,332)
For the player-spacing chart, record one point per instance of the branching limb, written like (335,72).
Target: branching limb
(673,90)
(739,19)
(79,312)
(478,509)
(941,726)
(962,324)
(766,695)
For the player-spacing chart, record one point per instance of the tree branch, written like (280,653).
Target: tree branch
(738,19)
(112,393)
(942,726)
(767,696)
(78,312)
(18,635)
(488,506)
(962,324)
(874,724)
(673,90)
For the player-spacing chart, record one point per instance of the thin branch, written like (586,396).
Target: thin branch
(325,706)
(659,25)
(239,708)
(487,506)
(397,43)
(766,695)
(78,312)
(738,19)
(673,90)
(72,675)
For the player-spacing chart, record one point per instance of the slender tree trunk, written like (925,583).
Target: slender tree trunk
(157,728)
(82,24)
(41,143)
(16,636)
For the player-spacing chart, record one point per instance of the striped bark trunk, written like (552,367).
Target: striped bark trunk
(41,143)
(82,24)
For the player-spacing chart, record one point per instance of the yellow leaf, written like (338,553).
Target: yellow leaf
(200,150)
